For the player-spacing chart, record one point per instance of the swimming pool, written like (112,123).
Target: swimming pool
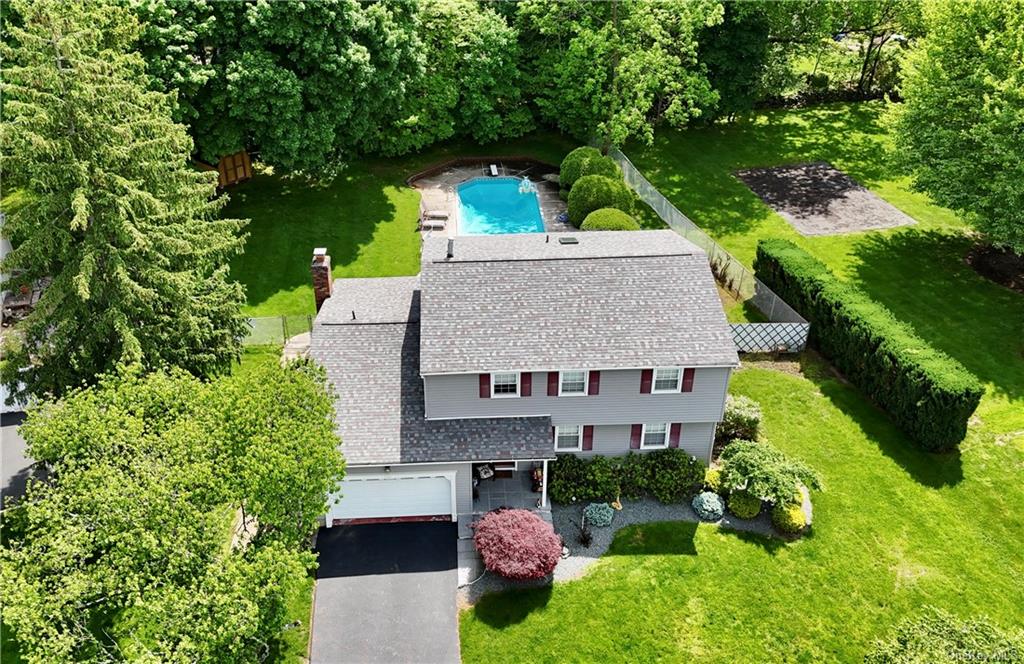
(489,206)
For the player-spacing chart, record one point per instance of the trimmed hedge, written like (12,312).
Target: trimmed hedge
(586,161)
(670,475)
(929,395)
(593,192)
(609,219)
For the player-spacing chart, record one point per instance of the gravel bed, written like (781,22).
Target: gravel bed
(566,519)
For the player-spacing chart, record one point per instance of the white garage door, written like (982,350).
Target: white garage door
(394,495)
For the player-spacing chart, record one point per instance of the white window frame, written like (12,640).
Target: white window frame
(579,439)
(494,384)
(654,380)
(664,442)
(586,383)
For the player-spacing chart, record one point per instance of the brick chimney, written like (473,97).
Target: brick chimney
(321,271)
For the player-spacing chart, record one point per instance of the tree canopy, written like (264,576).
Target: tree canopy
(960,129)
(125,550)
(114,214)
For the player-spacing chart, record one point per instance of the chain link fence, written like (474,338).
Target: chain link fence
(276,330)
(730,273)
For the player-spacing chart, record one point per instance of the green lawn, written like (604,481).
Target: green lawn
(895,528)
(366,217)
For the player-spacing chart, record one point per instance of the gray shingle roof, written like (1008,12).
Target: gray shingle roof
(375,370)
(526,302)
(377,300)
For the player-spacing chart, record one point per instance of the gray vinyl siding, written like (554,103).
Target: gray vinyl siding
(463,479)
(619,400)
(613,440)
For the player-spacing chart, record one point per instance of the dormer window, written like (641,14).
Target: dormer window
(504,384)
(667,379)
(572,383)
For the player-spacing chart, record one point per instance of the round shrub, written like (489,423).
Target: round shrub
(634,475)
(744,504)
(593,192)
(609,219)
(674,474)
(586,161)
(713,481)
(708,506)
(566,478)
(599,515)
(517,544)
(788,518)
(741,420)
(600,481)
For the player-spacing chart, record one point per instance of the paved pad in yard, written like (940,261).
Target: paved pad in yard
(817,199)
(386,593)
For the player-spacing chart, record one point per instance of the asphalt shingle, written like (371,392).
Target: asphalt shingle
(375,371)
(615,300)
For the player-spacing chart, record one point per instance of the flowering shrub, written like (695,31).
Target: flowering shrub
(708,506)
(742,419)
(788,518)
(599,515)
(517,544)
(744,504)
(713,481)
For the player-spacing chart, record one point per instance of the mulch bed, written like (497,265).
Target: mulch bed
(818,199)
(999,265)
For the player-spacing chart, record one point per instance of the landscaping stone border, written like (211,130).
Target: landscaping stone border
(566,519)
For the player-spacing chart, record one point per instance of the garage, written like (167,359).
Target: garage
(382,497)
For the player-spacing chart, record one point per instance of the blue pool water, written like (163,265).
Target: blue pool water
(488,206)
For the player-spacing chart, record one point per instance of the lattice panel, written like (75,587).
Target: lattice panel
(770,337)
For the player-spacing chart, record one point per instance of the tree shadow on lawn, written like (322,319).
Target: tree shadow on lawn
(290,215)
(655,539)
(511,607)
(695,168)
(931,470)
(921,276)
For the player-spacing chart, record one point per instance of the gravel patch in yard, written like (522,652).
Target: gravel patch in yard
(566,520)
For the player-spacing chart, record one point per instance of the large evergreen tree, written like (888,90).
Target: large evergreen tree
(113,212)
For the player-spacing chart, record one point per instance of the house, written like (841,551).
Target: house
(507,350)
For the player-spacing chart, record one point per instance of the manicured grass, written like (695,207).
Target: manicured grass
(293,646)
(894,529)
(366,217)
(917,271)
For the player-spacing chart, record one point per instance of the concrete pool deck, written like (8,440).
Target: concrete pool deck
(438,191)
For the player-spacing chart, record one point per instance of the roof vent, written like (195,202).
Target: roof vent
(568,240)
(451,248)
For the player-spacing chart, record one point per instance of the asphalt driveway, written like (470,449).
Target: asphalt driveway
(15,467)
(386,593)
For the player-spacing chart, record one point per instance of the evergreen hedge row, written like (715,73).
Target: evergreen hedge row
(928,394)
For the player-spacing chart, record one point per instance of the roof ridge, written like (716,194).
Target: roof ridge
(453,261)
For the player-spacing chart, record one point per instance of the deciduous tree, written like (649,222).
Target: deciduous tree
(960,129)
(125,549)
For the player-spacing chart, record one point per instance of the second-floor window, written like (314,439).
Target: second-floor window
(654,436)
(568,438)
(667,379)
(505,384)
(572,383)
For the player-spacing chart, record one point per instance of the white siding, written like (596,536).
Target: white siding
(619,400)
(463,479)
